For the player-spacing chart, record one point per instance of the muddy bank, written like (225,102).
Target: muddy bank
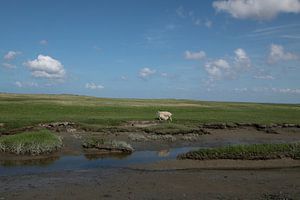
(154,126)
(139,184)
(220,164)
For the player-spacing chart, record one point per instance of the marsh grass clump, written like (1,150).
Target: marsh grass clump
(121,145)
(137,137)
(107,145)
(167,137)
(246,152)
(32,143)
(93,142)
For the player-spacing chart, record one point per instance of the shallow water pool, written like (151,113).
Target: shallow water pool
(88,161)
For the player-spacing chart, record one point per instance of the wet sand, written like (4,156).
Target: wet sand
(149,184)
(220,164)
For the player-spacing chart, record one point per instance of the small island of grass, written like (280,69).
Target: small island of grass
(246,152)
(32,143)
(107,146)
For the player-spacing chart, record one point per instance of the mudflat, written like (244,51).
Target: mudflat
(155,184)
(158,179)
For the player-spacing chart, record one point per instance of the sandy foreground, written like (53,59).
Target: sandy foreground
(152,183)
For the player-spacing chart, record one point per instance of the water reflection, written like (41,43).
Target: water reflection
(87,161)
(95,156)
(29,162)
(164,153)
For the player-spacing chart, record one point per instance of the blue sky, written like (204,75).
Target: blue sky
(221,50)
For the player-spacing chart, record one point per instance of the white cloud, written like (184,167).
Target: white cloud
(241,58)
(124,78)
(18,84)
(241,89)
(257,9)
(25,84)
(291,91)
(286,90)
(277,90)
(194,55)
(221,68)
(265,77)
(8,65)
(163,74)
(217,68)
(277,53)
(43,42)
(46,67)
(93,86)
(146,72)
(11,55)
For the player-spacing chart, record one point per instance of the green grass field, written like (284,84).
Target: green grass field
(17,110)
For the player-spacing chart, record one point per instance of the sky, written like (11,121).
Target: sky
(218,50)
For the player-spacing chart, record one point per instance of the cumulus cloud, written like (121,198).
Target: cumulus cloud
(164,74)
(241,58)
(286,90)
(290,91)
(277,90)
(18,84)
(146,72)
(264,77)
(277,53)
(257,9)
(229,68)
(8,65)
(11,55)
(194,55)
(25,84)
(124,78)
(216,69)
(240,89)
(46,67)
(93,86)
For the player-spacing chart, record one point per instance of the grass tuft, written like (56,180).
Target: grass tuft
(107,145)
(246,152)
(33,143)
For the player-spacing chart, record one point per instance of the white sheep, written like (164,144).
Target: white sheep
(164,115)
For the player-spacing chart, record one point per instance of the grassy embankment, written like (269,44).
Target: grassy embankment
(18,111)
(246,152)
(32,143)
